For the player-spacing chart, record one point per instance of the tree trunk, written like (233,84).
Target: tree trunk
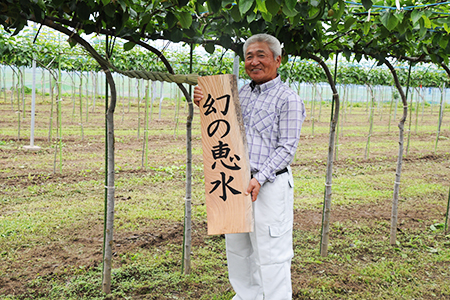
(327,200)
(50,127)
(81,106)
(4,83)
(107,259)
(446,214)
(138,87)
(22,90)
(13,79)
(145,141)
(410,122)
(123,98)
(390,112)
(401,125)
(18,104)
(187,245)
(161,98)
(87,97)
(313,108)
(371,115)
(441,113)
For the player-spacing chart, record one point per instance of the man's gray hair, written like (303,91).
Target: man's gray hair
(272,42)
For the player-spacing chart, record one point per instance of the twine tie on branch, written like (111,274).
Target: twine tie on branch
(190,79)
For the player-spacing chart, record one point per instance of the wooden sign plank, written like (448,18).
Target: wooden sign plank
(225,156)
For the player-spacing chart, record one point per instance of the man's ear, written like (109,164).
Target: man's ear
(278,61)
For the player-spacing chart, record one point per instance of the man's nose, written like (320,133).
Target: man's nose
(254,61)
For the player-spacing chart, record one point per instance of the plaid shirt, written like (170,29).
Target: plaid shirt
(273,115)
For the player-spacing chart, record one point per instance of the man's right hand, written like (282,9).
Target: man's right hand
(198,95)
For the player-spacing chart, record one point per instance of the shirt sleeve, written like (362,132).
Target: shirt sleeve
(292,115)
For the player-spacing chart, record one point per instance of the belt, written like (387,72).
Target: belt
(281,171)
(277,173)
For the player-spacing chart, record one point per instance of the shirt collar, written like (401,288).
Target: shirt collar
(265,86)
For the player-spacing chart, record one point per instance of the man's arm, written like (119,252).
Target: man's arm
(290,123)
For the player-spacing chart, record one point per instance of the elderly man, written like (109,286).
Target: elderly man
(259,263)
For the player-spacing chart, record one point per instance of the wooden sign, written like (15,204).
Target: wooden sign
(225,157)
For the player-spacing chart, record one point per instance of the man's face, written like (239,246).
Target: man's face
(260,64)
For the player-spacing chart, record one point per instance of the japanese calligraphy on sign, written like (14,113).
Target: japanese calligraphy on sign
(225,157)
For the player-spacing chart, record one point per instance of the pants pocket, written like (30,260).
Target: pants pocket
(280,243)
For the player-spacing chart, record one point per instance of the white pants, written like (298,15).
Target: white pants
(259,262)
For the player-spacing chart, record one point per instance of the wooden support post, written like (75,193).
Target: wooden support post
(225,157)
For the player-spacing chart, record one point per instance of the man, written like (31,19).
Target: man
(259,263)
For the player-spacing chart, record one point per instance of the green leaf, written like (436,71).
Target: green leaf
(427,22)
(106,2)
(349,22)
(436,39)
(225,41)
(83,11)
(416,15)
(185,19)
(234,12)
(389,20)
(295,19)
(347,53)
(447,28)
(290,4)
(176,35)
(267,16)
(251,17)
(133,13)
(288,12)
(366,28)
(170,19)
(72,42)
(182,3)
(123,4)
(214,5)
(244,6)
(209,47)
(272,6)
(409,35)
(89,28)
(367,4)
(261,6)
(402,27)
(423,30)
(399,15)
(226,3)
(128,46)
(109,10)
